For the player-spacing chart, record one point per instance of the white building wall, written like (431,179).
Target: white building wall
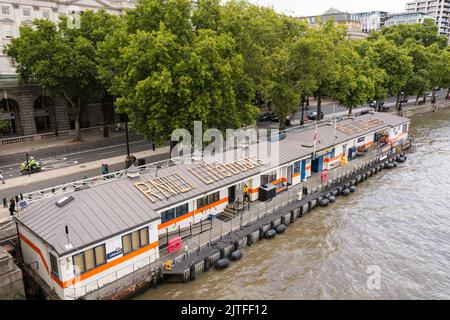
(115,268)
(37,256)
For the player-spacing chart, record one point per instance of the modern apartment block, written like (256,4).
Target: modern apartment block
(437,9)
(406,18)
(372,20)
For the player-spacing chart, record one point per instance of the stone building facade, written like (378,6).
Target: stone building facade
(25,109)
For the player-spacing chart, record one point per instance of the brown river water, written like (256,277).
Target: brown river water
(395,229)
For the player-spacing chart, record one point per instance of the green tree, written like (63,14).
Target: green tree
(326,72)
(282,89)
(355,84)
(425,34)
(63,59)
(396,63)
(169,74)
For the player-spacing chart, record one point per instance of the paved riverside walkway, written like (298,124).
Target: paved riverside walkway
(55,142)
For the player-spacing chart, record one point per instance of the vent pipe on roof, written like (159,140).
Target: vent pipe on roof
(133,172)
(68,246)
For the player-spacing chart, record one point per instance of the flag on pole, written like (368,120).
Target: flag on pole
(316,136)
(315,139)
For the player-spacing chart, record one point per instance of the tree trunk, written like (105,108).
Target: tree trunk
(77,121)
(448,94)
(76,110)
(350,109)
(425,98)
(397,103)
(417,99)
(282,116)
(434,96)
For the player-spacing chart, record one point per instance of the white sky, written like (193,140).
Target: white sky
(317,7)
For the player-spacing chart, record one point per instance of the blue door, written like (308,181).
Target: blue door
(317,164)
(303,175)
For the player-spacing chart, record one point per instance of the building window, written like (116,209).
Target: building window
(78,263)
(89,259)
(268,177)
(100,255)
(143,235)
(405,128)
(174,213)
(26,12)
(54,265)
(5,10)
(46,14)
(135,240)
(297,167)
(126,244)
(209,199)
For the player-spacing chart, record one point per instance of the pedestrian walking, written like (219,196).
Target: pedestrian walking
(12,206)
(1,178)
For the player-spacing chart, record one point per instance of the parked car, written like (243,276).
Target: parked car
(265,116)
(274,117)
(313,114)
(373,104)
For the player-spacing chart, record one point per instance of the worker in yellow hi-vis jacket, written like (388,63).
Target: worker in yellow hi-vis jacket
(246,195)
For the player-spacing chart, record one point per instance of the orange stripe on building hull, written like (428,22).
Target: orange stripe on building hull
(92,272)
(109,265)
(36,249)
(192,213)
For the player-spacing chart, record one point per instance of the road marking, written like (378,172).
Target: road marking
(103,153)
(59,165)
(86,151)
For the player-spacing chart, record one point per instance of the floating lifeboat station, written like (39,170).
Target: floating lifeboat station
(174,220)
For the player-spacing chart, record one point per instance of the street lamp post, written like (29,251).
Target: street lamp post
(126,135)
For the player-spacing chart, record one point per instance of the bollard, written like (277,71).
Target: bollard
(5,202)
(21,196)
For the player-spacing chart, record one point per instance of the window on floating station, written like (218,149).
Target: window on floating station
(54,265)
(297,167)
(268,177)
(209,199)
(174,213)
(135,240)
(89,259)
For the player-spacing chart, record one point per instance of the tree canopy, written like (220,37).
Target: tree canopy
(169,63)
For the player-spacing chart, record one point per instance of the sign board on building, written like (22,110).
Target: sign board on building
(114,253)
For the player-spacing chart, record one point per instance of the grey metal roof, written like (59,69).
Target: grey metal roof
(94,215)
(105,210)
